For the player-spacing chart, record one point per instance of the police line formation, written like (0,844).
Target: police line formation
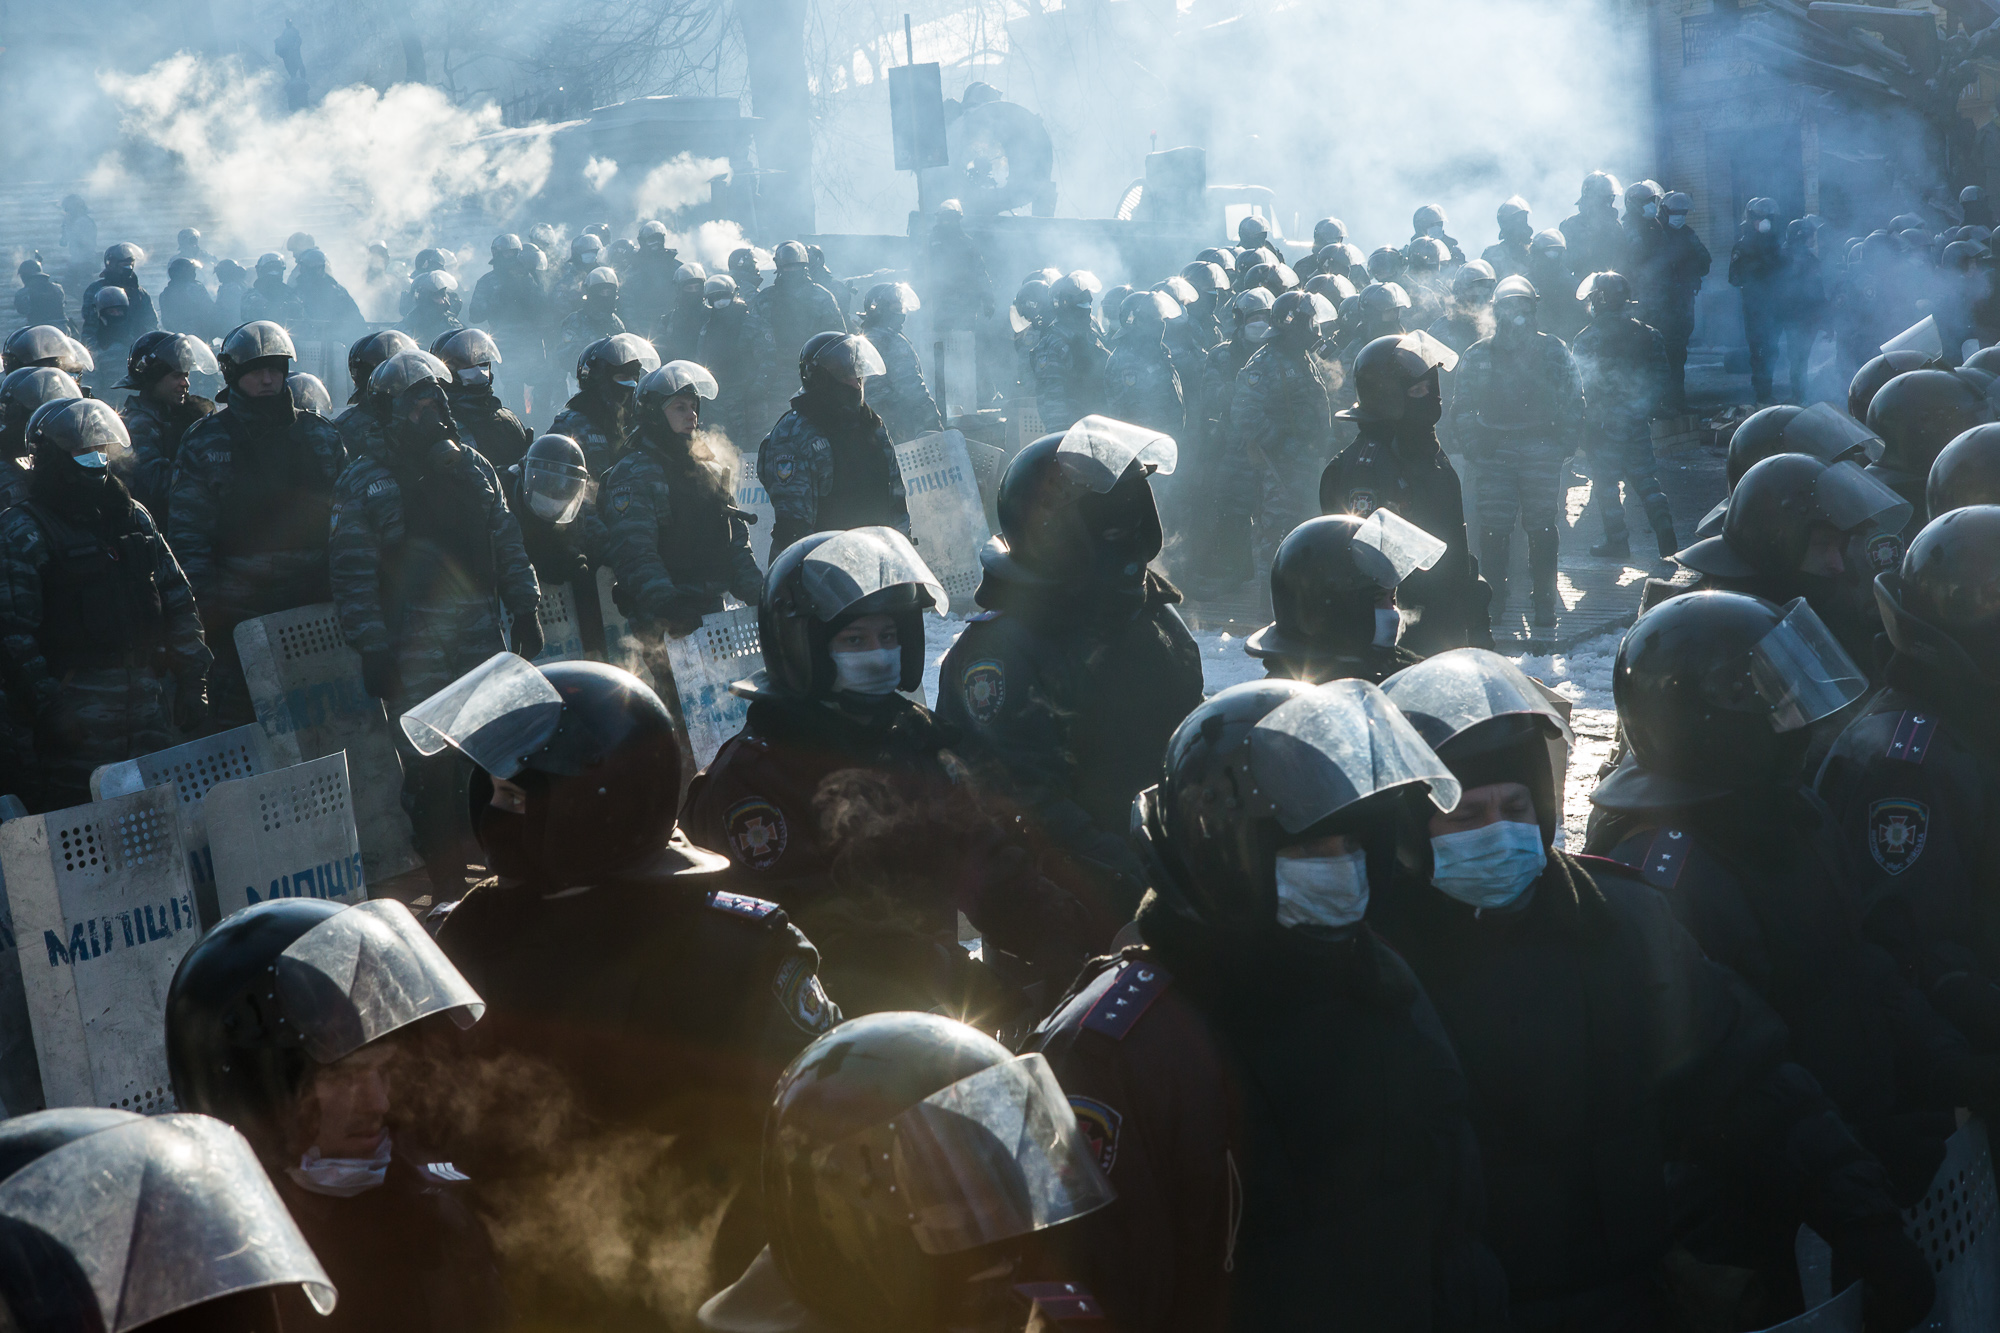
(1289,1007)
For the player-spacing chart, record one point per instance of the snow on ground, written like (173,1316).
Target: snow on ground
(1582,675)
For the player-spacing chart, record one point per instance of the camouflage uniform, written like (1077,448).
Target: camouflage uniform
(786,315)
(251,504)
(87,650)
(1622,365)
(596,428)
(580,328)
(728,347)
(899,395)
(156,432)
(676,542)
(1222,470)
(809,493)
(1283,410)
(490,428)
(1142,386)
(429,321)
(1069,361)
(269,298)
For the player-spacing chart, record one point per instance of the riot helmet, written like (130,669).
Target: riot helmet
(156,354)
(404,372)
(256,345)
(86,430)
(1252,231)
(312,258)
(271,265)
(690,276)
(24,390)
(1026,310)
(1076,507)
(1675,206)
(506,246)
(1252,313)
(844,360)
(1074,290)
(718,290)
(1549,243)
(288,984)
(818,585)
(1875,373)
(1266,766)
(594,751)
(652,235)
(1384,300)
(111,301)
(1822,430)
(1147,313)
(433,284)
(1474,282)
(555,479)
(1386,263)
(1599,187)
(124,255)
(1605,294)
(888,304)
(790,256)
(309,394)
(115,1222)
(29,268)
(584,249)
(1332,231)
(46,345)
(1715,691)
(1515,304)
(1921,411)
(1513,219)
(1396,379)
(1426,254)
(1967,472)
(183,269)
(370,351)
(1293,322)
(1333,583)
(686,380)
(1489,723)
(904,1154)
(1942,608)
(1333,286)
(189,240)
(470,355)
(1769,528)
(615,365)
(1428,220)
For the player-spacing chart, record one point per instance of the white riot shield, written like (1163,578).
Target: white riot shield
(621,648)
(752,498)
(726,648)
(100,896)
(191,770)
(1955,1225)
(306,683)
(286,834)
(562,638)
(947,517)
(1024,423)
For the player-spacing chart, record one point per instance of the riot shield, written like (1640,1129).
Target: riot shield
(947,516)
(20,1073)
(725,649)
(562,638)
(306,683)
(621,647)
(101,896)
(752,498)
(286,834)
(1955,1226)
(192,770)
(1842,1314)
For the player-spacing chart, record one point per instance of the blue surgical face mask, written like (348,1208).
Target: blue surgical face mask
(1488,867)
(1388,624)
(873,672)
(1677,219)
(1322,890)
(97,459)
(1651,210)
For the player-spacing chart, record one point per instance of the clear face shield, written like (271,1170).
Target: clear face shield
(87,429)
(852,359)
(857,564)
(1095,452)
(497,715)
(993,1156)
(364,973)
(1921,337)
(1829,434)
(188,354)
(1389,548)
(1796,674)
(556,490)
(1315,755)
(1443,695)
(1851,499)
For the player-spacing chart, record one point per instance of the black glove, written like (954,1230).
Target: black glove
(378,674)
(1898,1289)
(190,702)
(528,636)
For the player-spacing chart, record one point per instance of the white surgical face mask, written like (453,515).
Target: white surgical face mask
(1651,210)
(1257,330)
(97,459)
(1764,225)
(474,376)
(341,1177)
(1388,624)
(1436,230)
(1322,890)
(873,672)
(1490,866)
(1677,219)
(551,508)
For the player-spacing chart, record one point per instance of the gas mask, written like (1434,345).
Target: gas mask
(1764,224)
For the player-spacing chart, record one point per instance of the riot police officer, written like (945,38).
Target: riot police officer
(1668,286)
(1395,463)
(1333,597)
(327,306)
(98,624)
(1509,255)
(185,305)
(121,271)
(269,300)
(677,332)
(743,268)
(1141,384)
(1540,965)
(1917,414)
(1428,221)
(1220,469)
(431,314)
(839,1262)
(359,423)
(1379,311)
(791,310)
(316,1029)
(598,415)
(1069,358)
(41,299)
(46,345)
(1283,411)
(1756,265)
(604,934)
(216,1252)
(549,493)
(829,462)
(471,356)
(21,392)
(1066,693)
(1622,366)
(596,315)
(510,302)
(1260,1003)
(900,395)
(650,275)
(424,554)
(252,502)
(161,409)
(1596,243)
(1517,406)
(674,535)
(728,347)
(109,334)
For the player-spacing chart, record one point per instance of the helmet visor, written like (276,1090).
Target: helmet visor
(187,354)
(1344,742)
(1849,498)
(678,376)
(1436,355)
(1921,337)
(75,357)
(1797,674)
(1828,434)
(1443,695)
(81,425)
(556,491)
(161,1214)
(1389,548)
(625,348)
(365,972)
(993,1156)
(496,715)
(859,563)
(1095,452)
(851,358)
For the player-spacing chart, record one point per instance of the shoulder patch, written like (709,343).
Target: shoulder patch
(1912,739)
(380,486)
(1897,831)
(1120,1008)
(741,904)
(985,687)
(1665,858)
(1361,503)
(621,501)
(1059,1302)
(784,467)
(983,616)
(1100,1123)
(757,832)
(804,1000)
(1884,552)
(444,1171)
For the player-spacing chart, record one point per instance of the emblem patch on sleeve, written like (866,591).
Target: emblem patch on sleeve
(621,502)
(1361,503)
(1884,552)
(783,468)
(757,832)
(1897,830)
(1100,1125)
(804,999)
(985,685)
